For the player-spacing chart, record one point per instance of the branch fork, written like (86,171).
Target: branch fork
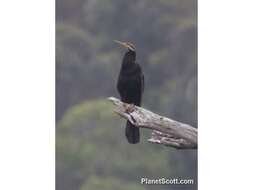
(165,131)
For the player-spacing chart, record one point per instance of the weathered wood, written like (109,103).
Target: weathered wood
(166,131)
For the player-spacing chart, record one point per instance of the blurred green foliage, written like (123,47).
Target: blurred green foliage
(91,149)
(109,183)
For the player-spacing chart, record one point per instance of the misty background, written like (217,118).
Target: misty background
(92,152)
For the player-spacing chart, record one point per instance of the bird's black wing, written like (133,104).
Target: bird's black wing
(142,77)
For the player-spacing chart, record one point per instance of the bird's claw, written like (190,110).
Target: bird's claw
(130,108)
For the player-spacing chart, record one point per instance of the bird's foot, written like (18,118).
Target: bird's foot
(130,108)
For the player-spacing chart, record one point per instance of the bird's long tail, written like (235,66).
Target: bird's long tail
(132,133)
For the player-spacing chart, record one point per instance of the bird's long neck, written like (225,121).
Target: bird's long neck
(129,59)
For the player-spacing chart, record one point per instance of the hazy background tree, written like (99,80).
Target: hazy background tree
(91,150)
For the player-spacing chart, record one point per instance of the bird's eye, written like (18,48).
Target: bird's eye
(131,47)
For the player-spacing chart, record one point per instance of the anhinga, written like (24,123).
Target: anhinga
(130,86)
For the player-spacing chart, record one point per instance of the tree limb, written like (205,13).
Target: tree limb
(165,131)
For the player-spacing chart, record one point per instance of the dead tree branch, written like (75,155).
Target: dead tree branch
(165,131)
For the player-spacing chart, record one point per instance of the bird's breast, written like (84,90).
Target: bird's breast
(129,82)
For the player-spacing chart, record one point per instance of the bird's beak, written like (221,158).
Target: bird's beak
(122,43)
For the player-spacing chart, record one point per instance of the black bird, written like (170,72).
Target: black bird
(130,86)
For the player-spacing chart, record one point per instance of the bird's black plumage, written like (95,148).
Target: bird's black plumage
(130,87)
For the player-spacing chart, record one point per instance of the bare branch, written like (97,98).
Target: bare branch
(166,131)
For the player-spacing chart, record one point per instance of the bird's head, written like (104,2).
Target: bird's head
(127,45)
